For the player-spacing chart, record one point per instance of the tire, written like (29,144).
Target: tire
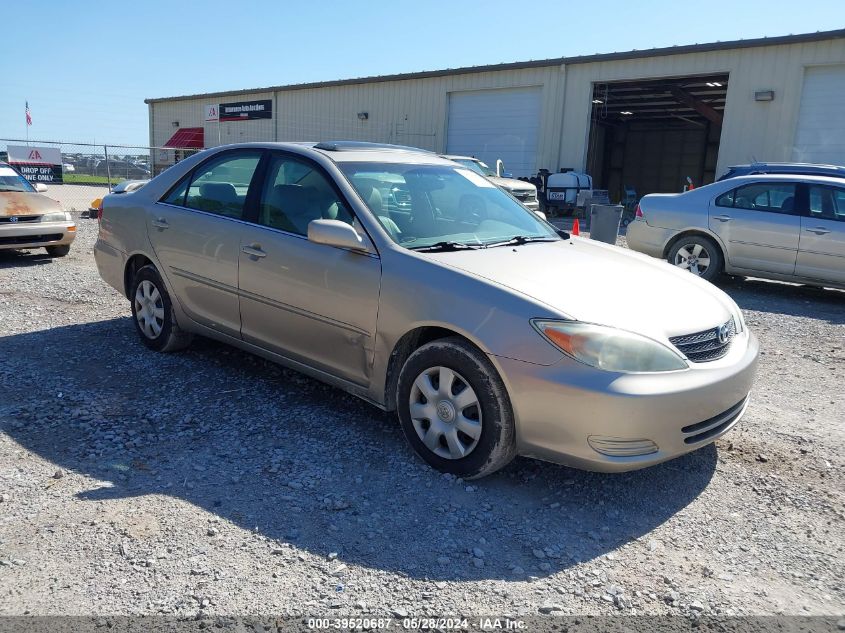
(449,422)
(700,248)
(152,313)
(58,251)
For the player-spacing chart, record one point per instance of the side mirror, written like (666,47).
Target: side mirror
(541,215)
(40,187)
(335,233)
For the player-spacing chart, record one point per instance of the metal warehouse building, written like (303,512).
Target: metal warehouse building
(641,119)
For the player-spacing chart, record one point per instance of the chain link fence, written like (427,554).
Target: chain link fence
(87,171)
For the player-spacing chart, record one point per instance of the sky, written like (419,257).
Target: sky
(86,67)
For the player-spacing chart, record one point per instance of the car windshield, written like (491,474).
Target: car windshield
(10,180)
(423,206)
(477,166)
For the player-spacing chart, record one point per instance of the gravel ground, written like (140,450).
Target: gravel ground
(212,482)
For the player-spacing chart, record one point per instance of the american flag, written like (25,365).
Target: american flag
(28,115)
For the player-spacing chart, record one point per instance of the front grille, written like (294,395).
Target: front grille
(31,239)
(701,431)
(19,218)
(702,347)
(524,196)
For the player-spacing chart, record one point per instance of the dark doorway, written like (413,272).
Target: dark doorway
(649,136)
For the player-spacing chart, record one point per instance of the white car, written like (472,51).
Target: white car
(786,226)
(523,191)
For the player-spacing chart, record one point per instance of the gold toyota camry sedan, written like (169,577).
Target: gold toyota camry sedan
(421,287)
(29,219)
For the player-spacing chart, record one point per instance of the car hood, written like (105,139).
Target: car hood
(25,203)
(597,283)
(512,183)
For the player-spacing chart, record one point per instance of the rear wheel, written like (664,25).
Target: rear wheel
(58,251)
(699,255)
(153,313)
(454,409)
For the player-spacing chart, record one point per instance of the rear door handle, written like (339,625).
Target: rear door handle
(253,250)
(160,223)
(722,218)
(819,230)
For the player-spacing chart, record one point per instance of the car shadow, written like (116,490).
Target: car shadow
(786,298)
(270,450)
(19,259)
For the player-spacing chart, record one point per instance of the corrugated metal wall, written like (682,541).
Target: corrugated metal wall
(414,111)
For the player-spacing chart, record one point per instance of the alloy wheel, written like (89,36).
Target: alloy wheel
(694,258)
(445,412)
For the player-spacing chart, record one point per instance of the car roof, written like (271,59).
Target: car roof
(831,180)
(459,157)
(788,166)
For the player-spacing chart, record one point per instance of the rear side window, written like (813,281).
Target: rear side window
(827,203)
(220,186)
(771,197)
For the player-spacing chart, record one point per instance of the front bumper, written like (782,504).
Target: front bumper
(568,411)
(36,234)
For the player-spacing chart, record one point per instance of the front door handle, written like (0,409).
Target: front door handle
(160,223)
(722,218)
(819,230)
(254,250)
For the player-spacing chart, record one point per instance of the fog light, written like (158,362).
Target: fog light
(621,447)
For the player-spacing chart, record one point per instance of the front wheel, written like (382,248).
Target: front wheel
(152,313)
(454,409)
(699,255)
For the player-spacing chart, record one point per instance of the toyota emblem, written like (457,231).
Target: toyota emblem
(724,334)
(13,219)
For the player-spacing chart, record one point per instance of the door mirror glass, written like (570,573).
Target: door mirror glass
(335,233)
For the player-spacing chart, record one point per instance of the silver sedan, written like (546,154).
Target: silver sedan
(783,227)
(419,286)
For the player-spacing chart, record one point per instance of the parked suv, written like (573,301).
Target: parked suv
(523,191)
(799,169)
(447,308)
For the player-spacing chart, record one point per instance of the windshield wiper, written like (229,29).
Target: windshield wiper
(518,240)
(447,246)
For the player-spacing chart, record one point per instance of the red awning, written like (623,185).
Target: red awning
(192,137)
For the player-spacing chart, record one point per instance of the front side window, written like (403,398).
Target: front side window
(218,186)
(295,193)
(423,205)
(772,197)
(827,203)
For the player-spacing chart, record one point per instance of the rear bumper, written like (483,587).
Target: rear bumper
(36,234)
(576,415)
(650,240)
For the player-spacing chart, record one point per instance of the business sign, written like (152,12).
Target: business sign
(37,164)
(212,113)
(246,110)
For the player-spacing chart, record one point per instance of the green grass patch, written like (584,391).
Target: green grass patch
(83,179)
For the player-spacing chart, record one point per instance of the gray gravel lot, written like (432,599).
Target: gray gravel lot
(213,482)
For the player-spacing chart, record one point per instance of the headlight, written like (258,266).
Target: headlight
(608,348)
(56,216)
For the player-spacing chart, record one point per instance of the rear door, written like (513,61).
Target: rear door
(759,224)
(196,230)
(821,249)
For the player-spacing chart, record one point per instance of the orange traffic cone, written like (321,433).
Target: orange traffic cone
(576,227)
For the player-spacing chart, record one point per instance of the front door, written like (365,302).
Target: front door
(195,233)
(309,302)
(759,224)
(821,250)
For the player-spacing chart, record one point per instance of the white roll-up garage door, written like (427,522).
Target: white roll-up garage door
(491,124)
(820,135)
